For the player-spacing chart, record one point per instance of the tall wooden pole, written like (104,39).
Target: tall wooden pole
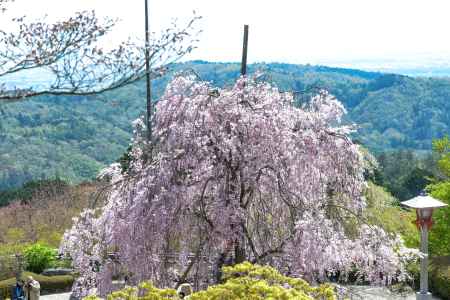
(244,52)
(147,75)
(239,247)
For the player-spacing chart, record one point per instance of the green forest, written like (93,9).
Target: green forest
(73,137)
(53,146)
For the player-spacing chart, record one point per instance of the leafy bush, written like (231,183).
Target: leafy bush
(440,276)
(7,259)
(39,257)
(62,263)
(247,281)
(440,232)
(242,282)
(440,282)
(150,293)
(438,279)
(49,285)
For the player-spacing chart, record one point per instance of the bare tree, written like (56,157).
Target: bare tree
(3,6)
(70,52)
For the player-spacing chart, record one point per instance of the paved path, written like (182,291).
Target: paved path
(64,296)
(355,293)
(377,293)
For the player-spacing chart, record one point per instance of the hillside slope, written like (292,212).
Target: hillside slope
(73,137)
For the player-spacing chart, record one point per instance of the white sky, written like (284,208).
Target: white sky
(294,31)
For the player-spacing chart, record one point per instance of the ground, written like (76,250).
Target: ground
(356,293)
(376,293)
(64,296)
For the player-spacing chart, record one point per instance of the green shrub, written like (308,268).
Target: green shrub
(150,293)
(440,234)
(7,259)
(247,281)
(242,282)
(440,277)
(49,284)
(39,257)
(439,242)
(63,263)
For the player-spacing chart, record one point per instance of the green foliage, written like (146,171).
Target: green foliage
(440,277)
(247,281)
(73,137)
(242,282)
(404,173)
(439,237)
(383,211)
(442,148)
(7,260)
(39,257)
(125,160)
(28,189)
(440,234)
(149,293)
(70,138)
(7,249)
(49,284)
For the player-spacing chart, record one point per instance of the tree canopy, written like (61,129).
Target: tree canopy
(440,188)
(234,174)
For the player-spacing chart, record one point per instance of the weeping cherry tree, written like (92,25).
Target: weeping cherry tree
(232,175)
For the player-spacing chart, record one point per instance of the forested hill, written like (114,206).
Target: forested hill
(73,137)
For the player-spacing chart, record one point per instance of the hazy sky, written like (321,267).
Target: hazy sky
(295,31)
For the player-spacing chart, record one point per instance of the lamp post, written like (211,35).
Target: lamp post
(424,206)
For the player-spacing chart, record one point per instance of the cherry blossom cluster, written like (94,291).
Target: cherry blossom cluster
(235,174)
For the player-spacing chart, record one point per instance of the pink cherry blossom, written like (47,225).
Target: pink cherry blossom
(234,174)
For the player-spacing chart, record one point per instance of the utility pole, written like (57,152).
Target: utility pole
(239,247)
(424,206)
(147,75)
(244,52)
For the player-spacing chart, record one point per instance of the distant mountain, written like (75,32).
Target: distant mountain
(423,65)
(73,137)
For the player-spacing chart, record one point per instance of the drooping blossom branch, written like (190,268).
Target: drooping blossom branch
(237,174)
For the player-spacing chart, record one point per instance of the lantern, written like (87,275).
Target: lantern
(424,206)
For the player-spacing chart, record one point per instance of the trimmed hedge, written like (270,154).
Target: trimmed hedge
(49,284)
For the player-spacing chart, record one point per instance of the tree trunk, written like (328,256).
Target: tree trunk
(239,249)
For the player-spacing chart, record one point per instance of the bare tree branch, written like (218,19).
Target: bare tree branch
(69,53)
